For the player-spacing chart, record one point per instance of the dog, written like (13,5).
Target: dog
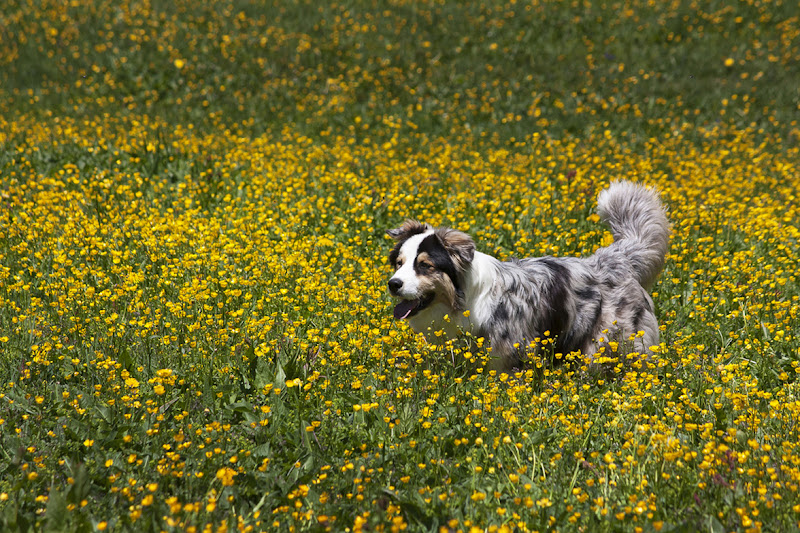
(446,287)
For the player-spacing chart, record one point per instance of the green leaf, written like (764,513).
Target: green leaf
(105,412)
(715,525)
(56,513)
(81,484)
(262,376)
(261,451)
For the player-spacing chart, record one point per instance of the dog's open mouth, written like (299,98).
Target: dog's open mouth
(409,308)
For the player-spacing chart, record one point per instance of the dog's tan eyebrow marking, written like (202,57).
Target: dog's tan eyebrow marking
(424,265)
(424,258)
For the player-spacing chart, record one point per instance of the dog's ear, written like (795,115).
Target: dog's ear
(459,245)
(409,228)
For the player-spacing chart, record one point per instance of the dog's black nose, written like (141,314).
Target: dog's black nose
(394,285)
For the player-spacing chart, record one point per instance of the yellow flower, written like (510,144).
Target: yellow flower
(544,502)
(478,496)
(225,475)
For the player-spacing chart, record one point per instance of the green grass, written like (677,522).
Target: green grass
(497,70)
(194,329)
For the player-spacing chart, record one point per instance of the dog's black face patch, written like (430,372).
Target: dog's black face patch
(394,254)
(438,257)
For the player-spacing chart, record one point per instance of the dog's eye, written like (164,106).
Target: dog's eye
(398,264)
(424,265)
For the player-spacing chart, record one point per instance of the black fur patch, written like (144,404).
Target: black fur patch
(394,254)
(586,335)
(500,313)
(554,317)
(588,293)
(596,317)
(432,246)
(637,317)
(560,272)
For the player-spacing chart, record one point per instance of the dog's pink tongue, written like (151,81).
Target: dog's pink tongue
(404,308)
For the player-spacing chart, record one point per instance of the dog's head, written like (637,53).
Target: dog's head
(429,265)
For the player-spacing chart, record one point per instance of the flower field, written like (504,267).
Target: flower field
(195,331)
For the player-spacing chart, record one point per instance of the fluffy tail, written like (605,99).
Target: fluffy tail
(639,225)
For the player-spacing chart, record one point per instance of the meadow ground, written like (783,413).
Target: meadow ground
(194,329)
